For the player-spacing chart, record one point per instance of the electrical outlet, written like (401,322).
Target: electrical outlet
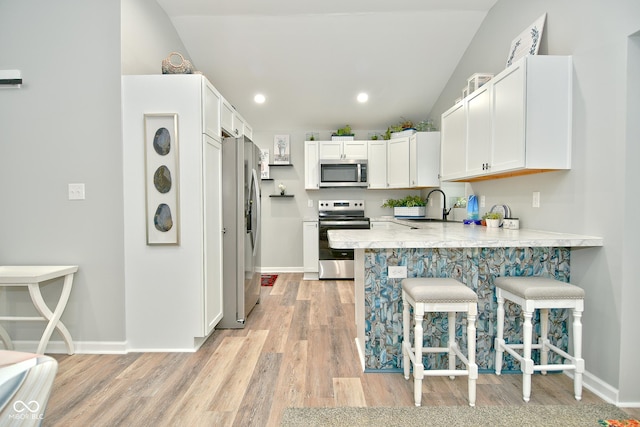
(309,203)
(397,271)
(76,191)
(536,199)
(482,201)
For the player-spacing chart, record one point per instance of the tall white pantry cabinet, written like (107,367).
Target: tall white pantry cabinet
(173,292)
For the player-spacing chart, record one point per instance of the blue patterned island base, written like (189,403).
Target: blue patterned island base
(476,268)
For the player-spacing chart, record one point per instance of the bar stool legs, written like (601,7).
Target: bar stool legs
(538,293)
(438,295)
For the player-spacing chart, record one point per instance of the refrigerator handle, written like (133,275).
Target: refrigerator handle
(258,210)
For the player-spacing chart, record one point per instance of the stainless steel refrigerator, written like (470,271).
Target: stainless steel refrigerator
(241,230)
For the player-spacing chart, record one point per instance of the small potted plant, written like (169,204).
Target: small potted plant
(492,219)
(410,206)
(342,134)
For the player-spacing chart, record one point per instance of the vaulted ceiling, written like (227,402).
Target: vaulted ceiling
(311,58)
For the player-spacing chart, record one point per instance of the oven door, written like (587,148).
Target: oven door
(337,263)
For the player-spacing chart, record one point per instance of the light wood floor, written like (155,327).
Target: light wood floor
(297,350)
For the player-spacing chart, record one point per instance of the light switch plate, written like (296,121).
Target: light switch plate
(397,271)
(76,191)
(535,202)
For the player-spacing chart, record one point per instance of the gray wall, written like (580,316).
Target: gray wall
(595,196)
(64,126)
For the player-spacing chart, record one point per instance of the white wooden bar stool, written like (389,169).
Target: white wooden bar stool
(542,293)
(438,295)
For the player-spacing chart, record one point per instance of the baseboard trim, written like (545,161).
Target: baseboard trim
(275,270)
(80,347)
(603,390)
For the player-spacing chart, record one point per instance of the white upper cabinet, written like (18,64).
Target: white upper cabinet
(413,161)
(519,122)
(226,117)
(424,159)
(377,164)
(478,155)
(453,143)
(398,162)
(248,130)
(232,123)
(343,150)
(211,101)
(311,166)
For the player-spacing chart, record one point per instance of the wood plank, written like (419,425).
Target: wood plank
(258,399)
(229,395)
(291,385)
(348,392)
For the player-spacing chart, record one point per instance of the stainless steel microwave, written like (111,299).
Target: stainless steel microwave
(343,173)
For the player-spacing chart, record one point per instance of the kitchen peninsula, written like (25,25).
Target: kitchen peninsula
(472,254)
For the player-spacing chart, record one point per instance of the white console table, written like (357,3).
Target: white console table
(33,277)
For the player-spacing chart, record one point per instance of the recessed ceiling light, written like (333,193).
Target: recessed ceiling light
(363,97)
(259,98)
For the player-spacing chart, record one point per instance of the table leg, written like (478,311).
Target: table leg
(6,339)
(53,317)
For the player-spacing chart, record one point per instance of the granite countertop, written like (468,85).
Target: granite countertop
(454,235)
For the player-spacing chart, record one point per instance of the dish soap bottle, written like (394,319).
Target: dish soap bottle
(472,208)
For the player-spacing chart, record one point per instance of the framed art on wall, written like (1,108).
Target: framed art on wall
(264,163)
(281,154)
(161,178)
(528,42)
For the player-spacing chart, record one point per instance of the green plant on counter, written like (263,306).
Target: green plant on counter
(409,201)
(492,215)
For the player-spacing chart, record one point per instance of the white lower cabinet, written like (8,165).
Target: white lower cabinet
(310,249)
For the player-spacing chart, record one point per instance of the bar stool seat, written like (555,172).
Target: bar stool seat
(540,293)
(438,295)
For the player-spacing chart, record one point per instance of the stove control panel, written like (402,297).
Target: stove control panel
(339,205)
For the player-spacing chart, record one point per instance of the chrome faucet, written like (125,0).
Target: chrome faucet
(445,212)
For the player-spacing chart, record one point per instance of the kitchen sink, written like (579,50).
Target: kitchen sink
(426,220)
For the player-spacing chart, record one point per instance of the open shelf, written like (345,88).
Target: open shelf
(280,164)
(280,195)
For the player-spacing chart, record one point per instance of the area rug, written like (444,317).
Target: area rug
(268,279)
(579,415)
(620,423)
